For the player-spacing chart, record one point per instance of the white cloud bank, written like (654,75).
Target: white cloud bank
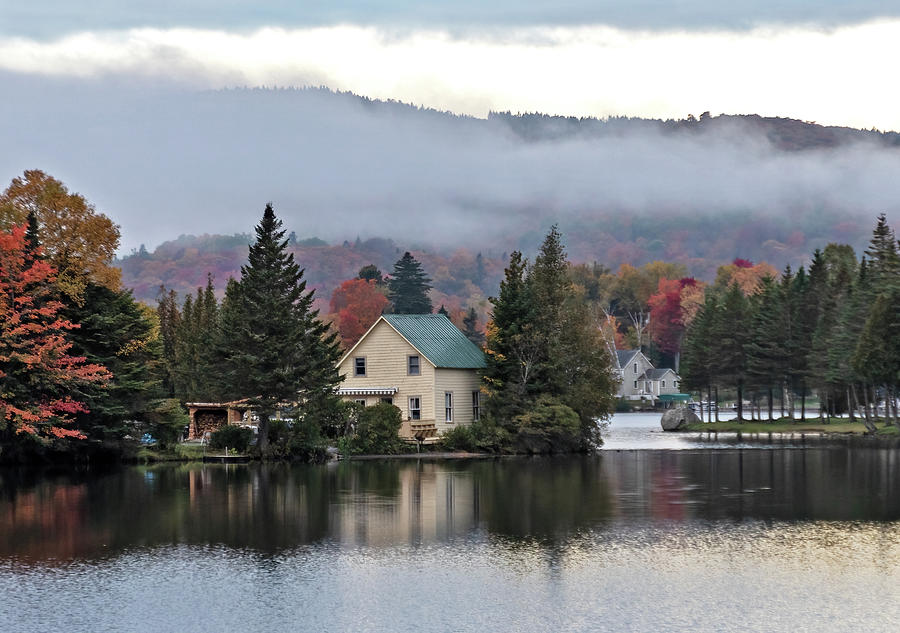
(839,76)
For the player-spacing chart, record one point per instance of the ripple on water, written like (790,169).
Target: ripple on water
(707,576)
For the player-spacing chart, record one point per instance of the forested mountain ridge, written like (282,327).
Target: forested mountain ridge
(783,133)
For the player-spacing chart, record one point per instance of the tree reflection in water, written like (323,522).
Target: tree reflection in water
(523,503)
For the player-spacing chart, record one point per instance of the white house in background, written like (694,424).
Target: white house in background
(639,380)
(422,364)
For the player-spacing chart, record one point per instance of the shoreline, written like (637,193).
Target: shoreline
(839,427)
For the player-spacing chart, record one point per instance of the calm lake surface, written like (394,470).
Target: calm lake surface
(641,537)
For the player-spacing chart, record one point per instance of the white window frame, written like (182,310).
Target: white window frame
(448,407)
(635,368)
(387,400)
(635,384)
(361,401)
(409,365)
(356,366)
(417,409)
(662,384)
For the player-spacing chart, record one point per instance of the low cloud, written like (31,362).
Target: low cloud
(163,162)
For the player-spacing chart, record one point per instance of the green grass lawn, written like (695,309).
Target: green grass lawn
(178,453)
(786,425)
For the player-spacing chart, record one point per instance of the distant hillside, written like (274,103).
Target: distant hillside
(782,133)
(463,277)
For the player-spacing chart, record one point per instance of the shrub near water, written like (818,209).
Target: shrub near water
(549,427)
(376,432)
(231,436)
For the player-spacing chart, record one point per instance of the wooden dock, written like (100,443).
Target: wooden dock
(226,459)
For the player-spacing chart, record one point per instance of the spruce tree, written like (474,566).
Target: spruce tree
(545,351)
(169,317)
(470,327)
(119,333)
(884,260)
(510,344)
(409,286)
(32,234)
(277,347)
(729,331)
(699,350)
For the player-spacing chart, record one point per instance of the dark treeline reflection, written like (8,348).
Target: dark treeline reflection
(269,508)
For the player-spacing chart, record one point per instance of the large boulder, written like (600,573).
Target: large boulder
(678,419)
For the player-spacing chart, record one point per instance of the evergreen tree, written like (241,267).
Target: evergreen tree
(877,355)
(544,351)
(32,234)
(370,272)
(231,376)
(699,350)
(884,260)
(409,286)
(767,345)
(851,317)
(510,344)
(169,318)
(277,346)
(120,334)
(470,327)
(443,310)
(729,331)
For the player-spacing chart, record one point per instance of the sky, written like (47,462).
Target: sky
(823,61)
(123,102)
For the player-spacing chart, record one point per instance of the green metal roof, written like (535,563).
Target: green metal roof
(438,339)
(675,397)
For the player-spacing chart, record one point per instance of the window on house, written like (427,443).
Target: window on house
(359,366)
(662,383)
(361,401)
(647,386)
(635,384)
(476,405)
(413,365)
(415,408)
(388,400)
(448,406)
(635,368)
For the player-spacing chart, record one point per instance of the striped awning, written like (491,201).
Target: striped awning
(367,391)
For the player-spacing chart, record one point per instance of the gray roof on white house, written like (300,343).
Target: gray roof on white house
(656,374)
(624,356)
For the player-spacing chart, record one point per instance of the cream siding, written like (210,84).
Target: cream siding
(461,383)
(386,354)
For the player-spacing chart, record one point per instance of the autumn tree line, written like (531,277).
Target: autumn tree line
(832,329)
(80,359)
(82,363)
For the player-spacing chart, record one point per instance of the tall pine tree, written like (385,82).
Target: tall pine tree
(409,286)
(277,350)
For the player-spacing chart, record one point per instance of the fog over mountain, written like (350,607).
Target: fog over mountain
(167,161)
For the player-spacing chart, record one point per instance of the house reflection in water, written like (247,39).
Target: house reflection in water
(431,502)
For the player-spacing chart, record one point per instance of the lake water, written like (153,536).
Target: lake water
(712,537)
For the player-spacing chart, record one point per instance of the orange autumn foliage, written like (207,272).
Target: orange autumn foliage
(79,242)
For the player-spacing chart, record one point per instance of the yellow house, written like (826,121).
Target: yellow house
(422,364)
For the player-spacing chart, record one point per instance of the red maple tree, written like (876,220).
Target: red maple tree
(38,375)
(357,303)
(667,322)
